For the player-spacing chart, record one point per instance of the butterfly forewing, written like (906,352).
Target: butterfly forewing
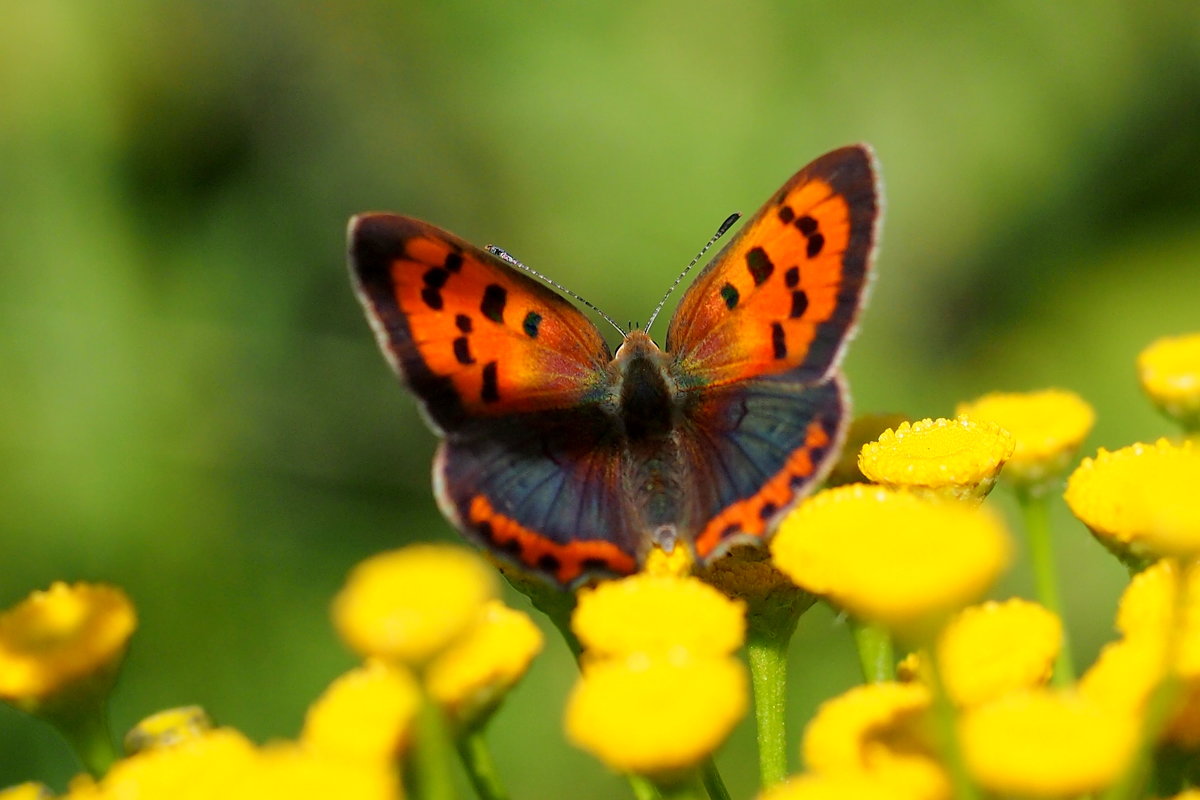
(471,335)
(784,293)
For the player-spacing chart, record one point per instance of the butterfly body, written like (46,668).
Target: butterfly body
(570,461)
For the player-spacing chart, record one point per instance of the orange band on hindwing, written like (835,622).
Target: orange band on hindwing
(750,516)
(565,562)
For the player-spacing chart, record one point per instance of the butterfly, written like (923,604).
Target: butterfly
(568,461)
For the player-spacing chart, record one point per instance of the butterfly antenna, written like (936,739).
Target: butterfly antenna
(509,258)
(726,225)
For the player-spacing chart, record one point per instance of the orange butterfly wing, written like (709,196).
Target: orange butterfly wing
(471,335)
(784,293)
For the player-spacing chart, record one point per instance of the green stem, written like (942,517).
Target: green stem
(481,769)
(768,674)
(688,789)
(713,782)
(1036,510)
(643,789)
(876,653)
(947,733)
(85,727)
(429,776)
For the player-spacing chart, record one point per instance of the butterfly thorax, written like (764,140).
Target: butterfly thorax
(644,391)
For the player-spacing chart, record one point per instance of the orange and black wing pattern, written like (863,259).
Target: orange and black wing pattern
(471,335)
(784,294)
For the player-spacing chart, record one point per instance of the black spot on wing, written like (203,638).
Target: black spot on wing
(760,265)
(532,320)
(495,297)
(432,298)
(729,294)
(453,262)
(490,391)
(791,278)
(778,340)
(799,303)
(786,215)
(463,322)
(815,243)
(462,351)
(806,225)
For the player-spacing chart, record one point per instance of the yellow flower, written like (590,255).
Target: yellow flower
(876,730)
(951,458)
(678,562)
(994,648)
(291,771)
(366,714)
(1124,675)
(198,768)
(470,677)
(1169,371)
(26,791)
(1147,606)
(841,786)
(655,613)
(1042,743)
(891,556)
(57,640)
(773,602)
(1141,499)
(863,429)
(1048,427)
(408,605)
(167,728)
(656,715)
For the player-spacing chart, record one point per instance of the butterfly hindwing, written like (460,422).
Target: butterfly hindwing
(754,448)
(471,335)
(784,293)
(543,489)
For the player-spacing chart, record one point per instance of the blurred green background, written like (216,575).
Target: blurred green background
(193,406)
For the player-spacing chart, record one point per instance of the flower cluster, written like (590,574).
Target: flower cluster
(660,688)
(963,696)
(440,652)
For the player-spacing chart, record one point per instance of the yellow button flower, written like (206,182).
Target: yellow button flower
(167,728)
(291,771)
(26,791)
(56,639)
(654,613)
(1140,499)
(1124,675)
(773,602)
(876,730)
(864,428)
(410,604)
(470,677)
(656,715)
(950,458)
(891,556)
(842,786)
(993,648)
(367,713)
(1169,371)
(677,563)
(199,768)
(1041,743)
(1148,611)
(1048,427)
